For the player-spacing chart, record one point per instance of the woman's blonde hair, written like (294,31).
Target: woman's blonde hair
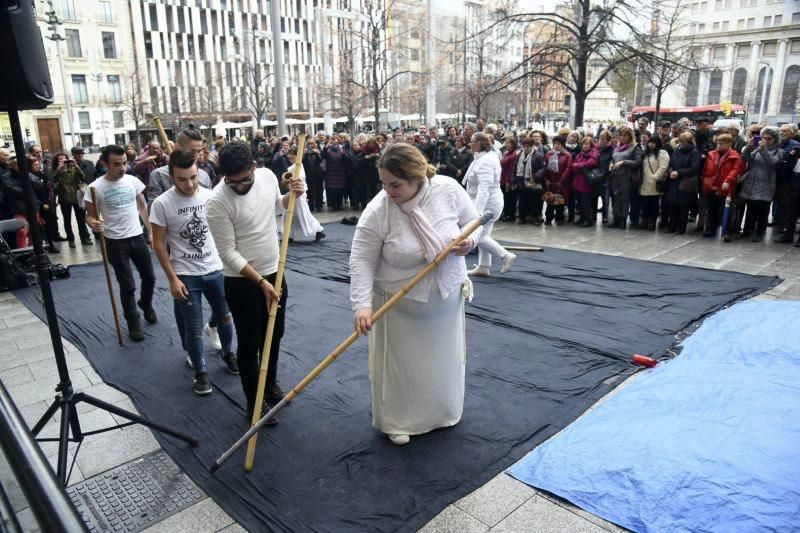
(687,137)
(724,138)
(406,162)
(485,141)
(625,131)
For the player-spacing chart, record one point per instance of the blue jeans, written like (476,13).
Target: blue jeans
(191,315)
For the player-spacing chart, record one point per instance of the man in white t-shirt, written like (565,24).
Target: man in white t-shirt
(241,215)
(121,204)
(192,265)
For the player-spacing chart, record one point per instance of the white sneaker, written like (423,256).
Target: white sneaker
(399,439)
(508,260)
(189,361)
(479,270)
(213,337)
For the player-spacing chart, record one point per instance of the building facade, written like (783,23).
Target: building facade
(746,50)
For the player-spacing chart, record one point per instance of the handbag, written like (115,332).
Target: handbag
(661,185)
(596,176)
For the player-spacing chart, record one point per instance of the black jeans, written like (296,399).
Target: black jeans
(510,197)
(121,252)
(315,189)
(585,205)
(713,216)
(650,208)
(678,217)
(757,215)
(80,217)
(553,211)
(335,197)
(249,309)
(530,203)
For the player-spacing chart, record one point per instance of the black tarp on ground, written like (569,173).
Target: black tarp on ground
(544,342)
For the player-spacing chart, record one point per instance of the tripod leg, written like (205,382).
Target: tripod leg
(46,416)
(133,417)
(63,442)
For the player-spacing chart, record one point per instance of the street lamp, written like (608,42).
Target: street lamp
(55,36)
(767,70)
(97,77)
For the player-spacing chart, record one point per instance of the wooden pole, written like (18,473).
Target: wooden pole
(345,344)
(162,135)
(273,308)
(104,252)
(524,248)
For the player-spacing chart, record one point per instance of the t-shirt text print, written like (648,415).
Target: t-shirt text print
(192,249)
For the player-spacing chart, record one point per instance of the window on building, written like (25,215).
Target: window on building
(114,89)
(203,23)
(796,18)
(719,52)
(223,51)
(764,72)
(153,17)
(738,86)
(728,4)
(715,27)
(180,46)
(414,55)
(119,119)
(154,100)
(743,51)
(148,45)
(692,86)
(170,21)
(777,20)
(767,22)
(740,24)
(725,25)
(68,10)
(181,21)
(228,74)
(715,87)
(703,7)
(119,139)
(201,47)
(84,122)
(79,93)
(190,47)
(791,82)
(769,49)
(701,28)
(795,47)
(105,11)
(751,23)
(73,39)
(109,46)
(718,5)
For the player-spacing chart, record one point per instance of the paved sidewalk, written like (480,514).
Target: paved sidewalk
(27,368)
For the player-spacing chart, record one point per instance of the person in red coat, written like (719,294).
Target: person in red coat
(557,164)
(508,169)
(585,161)
(720,173)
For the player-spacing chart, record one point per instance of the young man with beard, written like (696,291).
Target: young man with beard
(241,216)
(192,266)
(121,203)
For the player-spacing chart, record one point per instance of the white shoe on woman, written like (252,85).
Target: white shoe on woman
(508,260)
(479,270)
(399,439)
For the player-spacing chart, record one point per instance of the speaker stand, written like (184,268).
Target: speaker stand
(66,399)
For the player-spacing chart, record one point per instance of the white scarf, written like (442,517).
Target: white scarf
(432,243)
(524,165)
(552,165)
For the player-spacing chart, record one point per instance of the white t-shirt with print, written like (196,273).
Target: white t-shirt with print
(118,208)
(191,247)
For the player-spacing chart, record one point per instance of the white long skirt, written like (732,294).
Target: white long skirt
(417,354)
(304,225)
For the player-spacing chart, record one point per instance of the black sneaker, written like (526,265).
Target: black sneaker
(320,235)
(201,385)
(264,410)
(135,329)
(149,313)
(87,242)
(274,393)
(232,363)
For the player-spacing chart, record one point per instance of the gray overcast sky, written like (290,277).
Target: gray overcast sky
(457,6)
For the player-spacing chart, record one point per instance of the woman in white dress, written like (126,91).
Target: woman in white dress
(482,180)
(417,351)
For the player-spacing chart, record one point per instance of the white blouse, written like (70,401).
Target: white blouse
(482,180)
(386,252)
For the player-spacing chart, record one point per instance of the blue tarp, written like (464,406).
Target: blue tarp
(706,442)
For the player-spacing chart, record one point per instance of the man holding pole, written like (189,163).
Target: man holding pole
(121,204)
(241,215)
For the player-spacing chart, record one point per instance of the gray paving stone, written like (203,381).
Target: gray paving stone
(107,450)
(43,389)
(203,517)
(11,487)
(540,515)
(454,520)
(605,524)
(27,521)
(233,528)
(21,319)
(16,376)
(90,373)
(31,341)
(47,367)
(496,500)
(12,357)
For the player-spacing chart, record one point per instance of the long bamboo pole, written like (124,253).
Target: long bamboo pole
(273,308)
(104,253)
(162,135)
(345,344)
(524,248)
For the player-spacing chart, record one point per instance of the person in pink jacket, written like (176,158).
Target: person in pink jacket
(585,161)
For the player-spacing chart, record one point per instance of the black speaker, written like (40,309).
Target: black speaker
(23,65)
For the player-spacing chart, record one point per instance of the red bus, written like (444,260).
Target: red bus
(673,114)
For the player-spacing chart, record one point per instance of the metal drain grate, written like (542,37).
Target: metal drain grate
(135,495)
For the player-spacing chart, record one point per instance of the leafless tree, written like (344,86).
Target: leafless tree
(255,73)
(347,96)
(133,99)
